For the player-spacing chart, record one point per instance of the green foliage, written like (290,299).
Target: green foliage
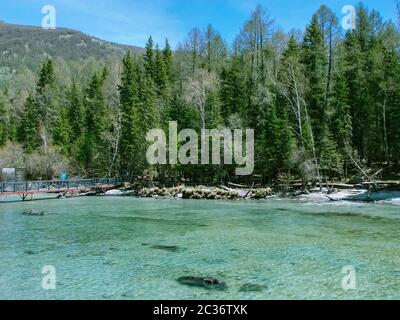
(161,74)
(75,113)
(128,92)
(29,126)
(148,58)
(97,126)
(233,88)
(3,124)
(331,161)
(341,120)
(168,60)
(213,110)
(314,59)
(46,77)
(62,131)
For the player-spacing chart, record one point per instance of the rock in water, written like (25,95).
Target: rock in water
(203,282)
(250,287)
(34,212)
(166,248)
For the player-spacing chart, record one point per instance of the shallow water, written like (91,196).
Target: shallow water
(113,248)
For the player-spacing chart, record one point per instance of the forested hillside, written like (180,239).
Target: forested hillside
(24,48)
(322,102)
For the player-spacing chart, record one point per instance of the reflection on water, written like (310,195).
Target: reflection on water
(127,248)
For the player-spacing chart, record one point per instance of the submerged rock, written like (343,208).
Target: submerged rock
(30,252)
(250,287)
(203,282)
(166,248)
(34,212)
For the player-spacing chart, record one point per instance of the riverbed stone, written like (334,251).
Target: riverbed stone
(209,283)
(34,212)
(166,248)
(251,287)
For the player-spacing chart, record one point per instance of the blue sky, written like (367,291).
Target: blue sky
(132,21)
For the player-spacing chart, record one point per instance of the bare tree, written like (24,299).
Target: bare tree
(254,36)
(195,45)
(44,137)
(215,47)
(113,102)
(197,90)
(11,155)
(293,91)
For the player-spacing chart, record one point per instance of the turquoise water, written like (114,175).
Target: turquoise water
(103,248)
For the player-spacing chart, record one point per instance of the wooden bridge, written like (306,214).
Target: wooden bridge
(26,189)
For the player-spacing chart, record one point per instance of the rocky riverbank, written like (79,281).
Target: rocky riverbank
(198,193)
(209,193)
(334,192)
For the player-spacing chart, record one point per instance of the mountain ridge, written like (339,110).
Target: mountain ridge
(30,45)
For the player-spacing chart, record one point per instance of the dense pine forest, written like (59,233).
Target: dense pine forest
(324,103)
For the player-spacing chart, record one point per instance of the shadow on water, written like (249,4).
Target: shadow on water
(167,222)
(332,214)
(353,215)
(27,201)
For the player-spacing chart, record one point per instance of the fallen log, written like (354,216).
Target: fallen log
(238,185)
(375,184)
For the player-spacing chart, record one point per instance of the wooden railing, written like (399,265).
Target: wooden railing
(55,185)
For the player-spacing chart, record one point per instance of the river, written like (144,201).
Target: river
(129,248)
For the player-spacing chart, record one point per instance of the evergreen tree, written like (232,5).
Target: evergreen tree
(362,62)
(147,110)
(149,60)
(46,77)
(315,61)
(391,104)
(129,98)
(268,145)
(76,113)
(145,118)
(331,161)
(213,110)
(62,131)
(160,74)
(96,126)
(168,60)
(29,126)
(45,103)
(285,145)
(341,121)
(233,88)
